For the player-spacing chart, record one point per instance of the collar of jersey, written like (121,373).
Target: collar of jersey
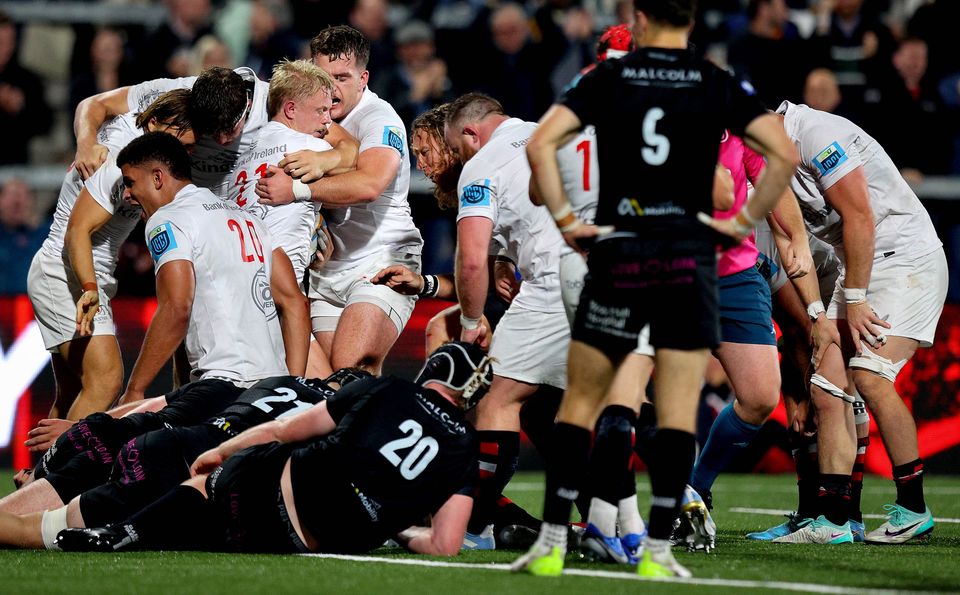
(505,127)
(366,97)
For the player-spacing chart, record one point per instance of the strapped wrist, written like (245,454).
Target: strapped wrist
(301,191)
(431,286)
(89,286)
(469,324)
(854,295)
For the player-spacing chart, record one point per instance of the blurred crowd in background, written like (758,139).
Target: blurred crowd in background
(891,66)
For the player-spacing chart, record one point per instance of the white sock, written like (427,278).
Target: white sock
(628,515)
(553,536)
(656,546)
(603,516)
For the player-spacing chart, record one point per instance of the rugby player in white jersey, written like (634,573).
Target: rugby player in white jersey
(355,321)
(71,281)
(888,298)
(496,216)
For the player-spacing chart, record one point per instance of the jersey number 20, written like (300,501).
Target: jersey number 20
(423,449)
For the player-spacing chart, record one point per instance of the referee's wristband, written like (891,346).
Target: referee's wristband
(469,324)
(431,285)
(301,191)
(854,295)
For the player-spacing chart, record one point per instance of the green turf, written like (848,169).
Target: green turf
(932,566)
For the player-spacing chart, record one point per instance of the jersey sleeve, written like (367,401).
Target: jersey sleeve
(477,196)
(753,164)
(167,240)
(828,152)
(743,106)
(141,95)
(383,130)
(583,97)
(106,185)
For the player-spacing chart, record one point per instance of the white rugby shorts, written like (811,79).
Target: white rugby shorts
(331,292)
(573,268)
(909,294)
(54,290)
(531,346)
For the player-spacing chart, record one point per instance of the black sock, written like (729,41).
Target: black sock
(567,465)
(508,512)
(856,480)
(182,519)
(808,476)
(909,480)
(610,477)
(670,463)
(646,429)
(834,499)
(499,453)
(538,416)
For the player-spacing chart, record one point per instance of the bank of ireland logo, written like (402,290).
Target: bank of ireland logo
(393,137)
(160,239)
(262,295)
(829,158)
(476,194)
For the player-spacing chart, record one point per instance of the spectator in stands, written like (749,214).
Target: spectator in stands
(771,54)
(208,52)
(21,234)
(858,47)
(23,109)
(270,39)
(370,18)
(106,70)
(165,51)
(936,23)
(419,80)
(820,91)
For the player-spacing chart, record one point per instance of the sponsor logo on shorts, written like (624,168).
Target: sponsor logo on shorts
(476,194)
(630,207)
(262,295)
(370,505)
(829,158)
(160,239)
(393,137)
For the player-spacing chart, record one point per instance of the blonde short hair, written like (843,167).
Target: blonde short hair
(292,81)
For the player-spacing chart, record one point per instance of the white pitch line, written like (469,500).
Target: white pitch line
(776,512)
(534,486)
(709,582)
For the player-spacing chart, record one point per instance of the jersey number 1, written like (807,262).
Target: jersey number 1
(584,147)
(424,449)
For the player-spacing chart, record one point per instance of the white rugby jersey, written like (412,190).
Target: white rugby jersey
(830,147)
(495,184)
(234,332)
(212,164)
(580,172)
(384,224)
(287,222)
(106,187)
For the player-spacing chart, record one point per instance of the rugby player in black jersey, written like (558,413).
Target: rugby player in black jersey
(659,114)
(154,462)
(362,466)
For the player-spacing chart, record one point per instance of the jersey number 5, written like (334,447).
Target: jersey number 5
(423,449)
(659,146)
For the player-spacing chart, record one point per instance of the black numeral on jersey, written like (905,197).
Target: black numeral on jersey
(423,449)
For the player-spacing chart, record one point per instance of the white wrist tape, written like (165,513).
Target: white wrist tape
(854,295)
(815,309)
(570,226)
(51,523)
(301,191)
(469,323)
(566,210)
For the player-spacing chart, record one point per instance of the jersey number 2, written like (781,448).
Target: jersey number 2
(281,395)
(423,449)
(254,240)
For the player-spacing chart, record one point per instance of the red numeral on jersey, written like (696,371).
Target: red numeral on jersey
(241,181)
(585,147)
(254,240)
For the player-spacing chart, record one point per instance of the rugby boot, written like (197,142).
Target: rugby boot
(480,541)
(515,537)
(793,523)
(694,527)
(819,530)
(633,545)
(102,539)
(658,561)
(597,547)
(858,530)
(541,560)
(902,525)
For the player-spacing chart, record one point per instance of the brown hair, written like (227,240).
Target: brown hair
(430,123)
(171,109)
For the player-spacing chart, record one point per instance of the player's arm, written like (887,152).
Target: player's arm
(91,113)
(445,535)
(850,198)
(376,168)
(294,313)
(310,166)
(405,282)
(175,291)
(311,423)
(795,252)
(555,129)
(85,219)
(723,198)
(471,272)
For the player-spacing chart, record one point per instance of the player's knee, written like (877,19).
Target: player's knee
(758,402)
(870,385)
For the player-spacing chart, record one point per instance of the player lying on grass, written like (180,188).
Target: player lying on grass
(150,464)
(362,466)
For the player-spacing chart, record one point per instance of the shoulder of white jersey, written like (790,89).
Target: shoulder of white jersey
(118,132)
(377,117)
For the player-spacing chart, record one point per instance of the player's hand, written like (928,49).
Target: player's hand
(803,419)
(505,280)
(309,166)
(87,307)
(89,159)
(275,188)
(206,462)
(866,325)
(324,249)
(131,395)
(823,334)
(581,236)
(727,227)
(400,279)
(797,260)
(479,335)
(23,477)
(42,437)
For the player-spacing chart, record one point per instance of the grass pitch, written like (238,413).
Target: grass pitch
(737,563)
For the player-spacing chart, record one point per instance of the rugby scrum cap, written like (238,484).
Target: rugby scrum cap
(462,367)
(345,376)
(616,41)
